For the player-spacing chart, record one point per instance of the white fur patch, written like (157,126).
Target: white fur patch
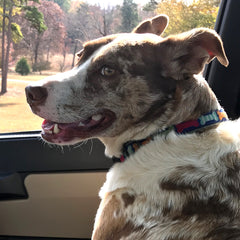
(60,89)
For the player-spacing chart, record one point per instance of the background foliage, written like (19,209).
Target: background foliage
(184,17)
(49,33)
(43,29)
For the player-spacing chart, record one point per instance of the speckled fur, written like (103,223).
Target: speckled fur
(177,187)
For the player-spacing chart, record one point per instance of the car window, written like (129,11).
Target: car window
(44,38)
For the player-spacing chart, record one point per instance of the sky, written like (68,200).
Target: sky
(106,3)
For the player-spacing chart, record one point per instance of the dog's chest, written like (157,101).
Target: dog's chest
(149,169)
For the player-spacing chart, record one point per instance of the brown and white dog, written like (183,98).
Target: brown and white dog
(143,96)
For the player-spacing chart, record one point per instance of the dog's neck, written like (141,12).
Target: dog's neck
(192,105)
(113,145)
(206,121)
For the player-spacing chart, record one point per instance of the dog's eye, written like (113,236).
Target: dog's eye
(107,71)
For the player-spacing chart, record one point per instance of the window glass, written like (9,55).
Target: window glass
(15,114)
(44,38)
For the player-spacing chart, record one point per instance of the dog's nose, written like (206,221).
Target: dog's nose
(35,95)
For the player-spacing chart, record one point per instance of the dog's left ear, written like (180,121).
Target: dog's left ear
(187,53)
(155,25)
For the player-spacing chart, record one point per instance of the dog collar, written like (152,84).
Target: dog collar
(205,120)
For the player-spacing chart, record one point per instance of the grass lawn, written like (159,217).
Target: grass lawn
(15,114)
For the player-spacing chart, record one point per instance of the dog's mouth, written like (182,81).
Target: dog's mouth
(71,133)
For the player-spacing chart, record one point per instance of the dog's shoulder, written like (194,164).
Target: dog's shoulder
(190,181)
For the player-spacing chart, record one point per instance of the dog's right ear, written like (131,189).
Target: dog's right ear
(155,25)
(187,53)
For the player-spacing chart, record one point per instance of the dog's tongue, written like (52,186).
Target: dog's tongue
(65,133)
(50,127)
(55,128)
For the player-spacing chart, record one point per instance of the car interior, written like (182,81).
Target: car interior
(50,192)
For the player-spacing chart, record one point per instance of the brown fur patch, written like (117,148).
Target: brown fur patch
(225,232)
(232,178)
(232,161)
(91,46)
(213,207)
(173,186)
(116,226)
(176,181)
(192,182)
(128,199)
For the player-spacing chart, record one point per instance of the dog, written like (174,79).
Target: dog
(177,170)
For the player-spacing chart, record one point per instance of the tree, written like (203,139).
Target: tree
(150,6)
(4,74)
(39,41)
(64,4)
(6,33)
(103,19)
(129,14)
(184,17)
(33,16)
(85,21)
(10,33)
(41,66)
(53,38)
(80,27)
(22,67)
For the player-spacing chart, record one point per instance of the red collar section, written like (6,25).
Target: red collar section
(205,120)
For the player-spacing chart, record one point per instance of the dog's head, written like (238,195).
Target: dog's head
(122,81)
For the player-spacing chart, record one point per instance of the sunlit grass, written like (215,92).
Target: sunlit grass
(30,77)
(15,114)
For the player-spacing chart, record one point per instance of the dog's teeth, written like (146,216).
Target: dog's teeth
(96,117)
(48,131)
(56,130)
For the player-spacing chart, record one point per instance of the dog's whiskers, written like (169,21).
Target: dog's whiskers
(79,145)
(91,147)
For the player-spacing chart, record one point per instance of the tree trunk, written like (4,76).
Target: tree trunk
(104,24)
(36,49)
(64,56)
(4,80)
(9,40)
(5,54)
(48,53)
(74,52)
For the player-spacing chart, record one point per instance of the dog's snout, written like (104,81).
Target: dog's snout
(36,95)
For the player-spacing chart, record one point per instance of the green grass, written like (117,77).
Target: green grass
(15,114)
